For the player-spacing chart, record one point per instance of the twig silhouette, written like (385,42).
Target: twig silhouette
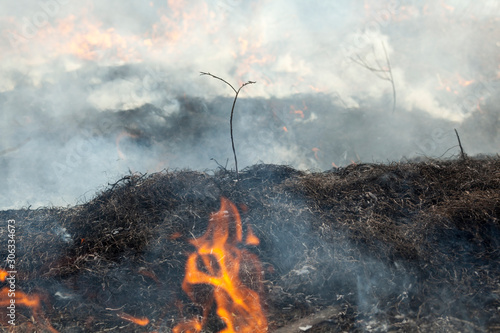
(232,112)
(384,73)
(462,154)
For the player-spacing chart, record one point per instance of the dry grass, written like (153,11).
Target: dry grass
(402,247)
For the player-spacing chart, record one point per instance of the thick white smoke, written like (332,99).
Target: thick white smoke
(90,90)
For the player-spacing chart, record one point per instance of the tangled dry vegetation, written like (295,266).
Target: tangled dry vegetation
(405,247)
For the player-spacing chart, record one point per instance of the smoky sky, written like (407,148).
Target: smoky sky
(90,91)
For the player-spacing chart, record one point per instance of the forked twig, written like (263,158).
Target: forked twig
(380,72)
(232,112)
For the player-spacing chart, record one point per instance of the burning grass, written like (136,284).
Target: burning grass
(407,247)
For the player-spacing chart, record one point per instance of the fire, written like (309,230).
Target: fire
(298,112)
(453,84)
(217,262)
(21,298)
(463,82)
(315,150)
(18,296)
(10,297)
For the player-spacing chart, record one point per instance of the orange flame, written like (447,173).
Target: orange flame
(464,82)
(251,238)
(315,150)
(220,257)
(298,112)
(19,296)
(10,297)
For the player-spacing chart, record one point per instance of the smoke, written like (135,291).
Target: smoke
(92,90)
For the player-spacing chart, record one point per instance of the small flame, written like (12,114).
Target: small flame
(251,238)
(219,255)
(19,296)
(298,112)
(464,82)
(11,296)
(315,150)
(452,84)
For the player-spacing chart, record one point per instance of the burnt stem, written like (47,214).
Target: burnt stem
(462,154)
(232,113)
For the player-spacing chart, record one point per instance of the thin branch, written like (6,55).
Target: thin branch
(462,154)
(220,165)
(382,73)
(364,64)
(232,112)
(218,78)
(392,79)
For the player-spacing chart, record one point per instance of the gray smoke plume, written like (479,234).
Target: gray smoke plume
(92,90)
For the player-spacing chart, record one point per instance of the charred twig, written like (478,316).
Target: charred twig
(386,72)
(462,154)
(232,112)
(222,167)
(129,178)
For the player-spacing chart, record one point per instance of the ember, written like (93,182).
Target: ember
(237,305)
(138,321)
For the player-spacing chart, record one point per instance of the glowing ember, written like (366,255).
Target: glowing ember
(251,238)
(315,150)
(138,321)
(298,112)
(217,262)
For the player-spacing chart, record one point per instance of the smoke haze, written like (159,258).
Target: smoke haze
(92,90)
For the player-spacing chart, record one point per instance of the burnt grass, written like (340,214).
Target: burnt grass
(403,247)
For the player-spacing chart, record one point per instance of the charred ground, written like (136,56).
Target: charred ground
(404,247)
